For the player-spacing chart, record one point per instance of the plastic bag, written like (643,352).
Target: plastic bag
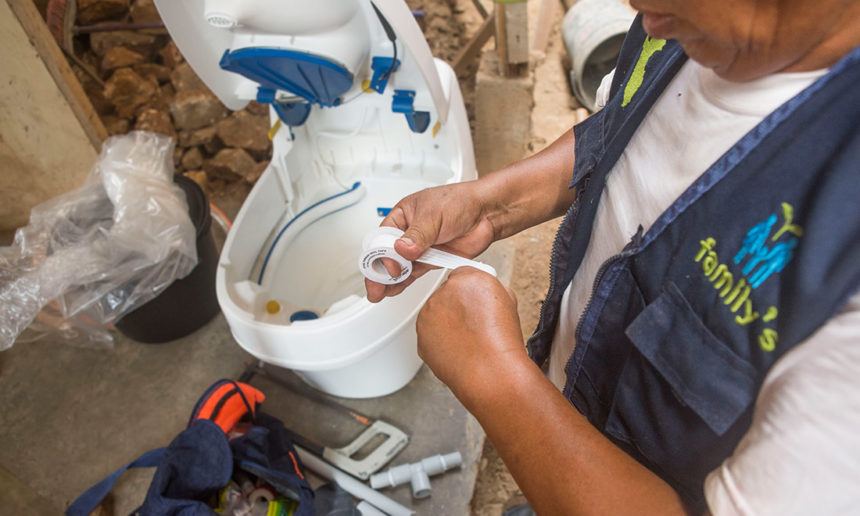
(104,249)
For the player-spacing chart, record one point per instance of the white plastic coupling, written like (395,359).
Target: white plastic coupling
(417,473)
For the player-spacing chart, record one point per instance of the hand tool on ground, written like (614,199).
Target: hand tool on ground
(344,458)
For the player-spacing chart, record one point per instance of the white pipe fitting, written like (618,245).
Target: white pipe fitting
(417,473)
(351,485)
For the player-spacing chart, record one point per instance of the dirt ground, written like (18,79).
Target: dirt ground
(448,26)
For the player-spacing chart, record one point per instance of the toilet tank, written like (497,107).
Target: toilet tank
(362,115)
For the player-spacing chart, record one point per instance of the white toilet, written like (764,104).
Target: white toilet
(362,115)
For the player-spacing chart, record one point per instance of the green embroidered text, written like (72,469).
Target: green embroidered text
(648,48)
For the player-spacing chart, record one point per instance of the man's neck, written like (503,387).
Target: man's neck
(844,38)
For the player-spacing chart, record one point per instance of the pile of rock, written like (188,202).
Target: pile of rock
(146,85)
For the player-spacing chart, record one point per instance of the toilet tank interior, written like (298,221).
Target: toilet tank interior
(316,266)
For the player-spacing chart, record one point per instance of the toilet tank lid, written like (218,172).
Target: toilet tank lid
(314,78)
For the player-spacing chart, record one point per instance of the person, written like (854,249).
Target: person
(697,347)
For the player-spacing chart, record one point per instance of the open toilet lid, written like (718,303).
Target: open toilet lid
(241,58)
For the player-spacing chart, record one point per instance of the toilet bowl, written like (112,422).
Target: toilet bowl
(362,115)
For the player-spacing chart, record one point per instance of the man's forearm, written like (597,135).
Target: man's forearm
(562,464)
(530,191)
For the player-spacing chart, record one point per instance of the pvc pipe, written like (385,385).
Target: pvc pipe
(351,485)
(368,510)
(417,473)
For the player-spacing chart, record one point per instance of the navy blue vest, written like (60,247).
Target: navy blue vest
(686,321)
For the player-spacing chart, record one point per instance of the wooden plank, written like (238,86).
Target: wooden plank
(501,34)
(50,53)
(469,52)
(512,37)
(44,149)
(546,17)
(516,16)
(480,7)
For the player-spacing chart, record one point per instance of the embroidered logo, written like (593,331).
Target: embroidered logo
(768,259)
(649,47)
(764,255)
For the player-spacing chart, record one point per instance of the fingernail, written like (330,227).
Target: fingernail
(407,241)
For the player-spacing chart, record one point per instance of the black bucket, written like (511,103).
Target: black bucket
(189,303)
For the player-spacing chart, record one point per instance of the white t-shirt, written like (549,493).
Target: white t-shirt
(802,453)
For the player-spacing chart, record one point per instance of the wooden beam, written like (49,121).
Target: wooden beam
(42,40)
(468,53)
(512,37)
(44,150)
(546,17)
(480,7)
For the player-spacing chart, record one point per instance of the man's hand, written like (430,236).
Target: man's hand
(469,335)
(449,217)
(465,218)
(469,322)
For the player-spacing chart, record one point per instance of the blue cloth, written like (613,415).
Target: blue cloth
(195,466)
(88,501)
(687,320)
(266,451)
(200,461)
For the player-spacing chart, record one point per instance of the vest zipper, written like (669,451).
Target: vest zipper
(600,272)
(630,249)
(553,259)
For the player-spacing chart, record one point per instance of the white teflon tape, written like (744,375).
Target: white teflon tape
(260,493)
(379,243)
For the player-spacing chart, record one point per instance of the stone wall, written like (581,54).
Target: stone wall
(147,85)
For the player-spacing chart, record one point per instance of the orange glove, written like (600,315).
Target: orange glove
(226,403)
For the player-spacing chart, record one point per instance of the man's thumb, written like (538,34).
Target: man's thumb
(412,244)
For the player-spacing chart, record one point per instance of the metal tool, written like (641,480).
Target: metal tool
(344,458)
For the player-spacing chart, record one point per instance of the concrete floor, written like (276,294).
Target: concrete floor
(72,415)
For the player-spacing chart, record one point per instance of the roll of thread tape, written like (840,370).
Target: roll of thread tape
(379,243)
(261,494)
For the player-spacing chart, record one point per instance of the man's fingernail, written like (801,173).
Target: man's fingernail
(407,241)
